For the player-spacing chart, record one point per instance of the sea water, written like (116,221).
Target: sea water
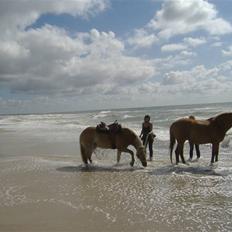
(161,197)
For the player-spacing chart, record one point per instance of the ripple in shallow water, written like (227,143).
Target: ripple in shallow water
(163,197)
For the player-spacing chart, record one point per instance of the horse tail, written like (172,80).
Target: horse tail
(172,142)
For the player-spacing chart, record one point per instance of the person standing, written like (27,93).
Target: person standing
(147,135)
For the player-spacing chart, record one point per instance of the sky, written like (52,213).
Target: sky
(74,55)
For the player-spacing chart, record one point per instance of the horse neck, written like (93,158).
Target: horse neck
(225,121)
(137,142)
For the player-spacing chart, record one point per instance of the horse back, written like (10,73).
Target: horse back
(87,135)
(196,131)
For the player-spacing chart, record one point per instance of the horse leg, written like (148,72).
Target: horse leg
(214,149)
(84,155)
(191,145)
(216,152)
(181,148)
(88,153)
(118,156)
(91,152)
(177,154)
(198,151)
(132,156)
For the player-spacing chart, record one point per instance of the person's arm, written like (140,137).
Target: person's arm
(141,133)
(151,127)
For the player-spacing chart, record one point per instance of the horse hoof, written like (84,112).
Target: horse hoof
(131,164)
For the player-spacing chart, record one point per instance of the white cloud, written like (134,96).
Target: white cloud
(200,80)
(199,84)
(227,52)
(181,17)
(17,15)
(173,47)
(217,44)
(194,42)
(142,39)
(48,61)
(187,44)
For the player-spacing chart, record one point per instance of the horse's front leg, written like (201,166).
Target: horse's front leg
(177,154)
(118,156)
(216,153)
(181,151)
(215,150)
(191,145)
(132,156)
(198,151)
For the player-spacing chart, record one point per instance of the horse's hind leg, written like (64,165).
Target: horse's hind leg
(89,155)
(86,154)
(90,152)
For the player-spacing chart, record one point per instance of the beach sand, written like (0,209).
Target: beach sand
(44,187)
(39,194)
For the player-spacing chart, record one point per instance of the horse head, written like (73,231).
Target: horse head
(224,121)
(141,154)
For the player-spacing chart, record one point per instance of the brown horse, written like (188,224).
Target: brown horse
(212,130)
(90,139)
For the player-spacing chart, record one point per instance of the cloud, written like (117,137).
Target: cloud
(173,47)
(181,17)
(187,43)
(48,66)
(227,52)
(17,15)
(142,39)
(217,44)
(194,42)
(200,80)
(48,61)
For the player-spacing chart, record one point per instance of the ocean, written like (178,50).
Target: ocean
(41,168)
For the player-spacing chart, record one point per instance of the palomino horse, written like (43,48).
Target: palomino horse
(90,139)
(212,131)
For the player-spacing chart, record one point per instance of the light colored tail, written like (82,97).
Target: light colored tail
(172,143)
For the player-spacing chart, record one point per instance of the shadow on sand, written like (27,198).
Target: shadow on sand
(94,168)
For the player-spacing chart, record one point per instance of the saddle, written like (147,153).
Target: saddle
(113,128)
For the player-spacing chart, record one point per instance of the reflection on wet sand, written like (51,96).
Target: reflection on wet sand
(107,197)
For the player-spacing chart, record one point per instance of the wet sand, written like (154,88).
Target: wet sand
(44,187)
(57,194)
